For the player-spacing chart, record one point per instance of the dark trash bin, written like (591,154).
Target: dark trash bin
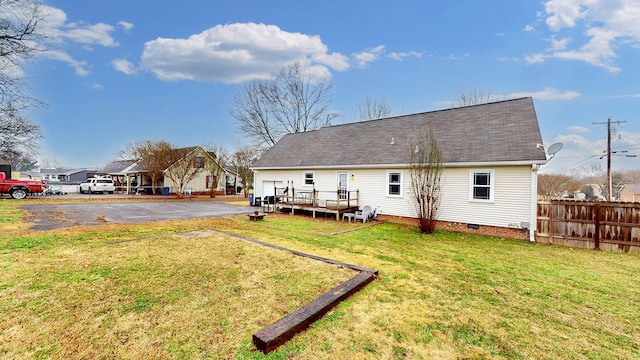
(165,191)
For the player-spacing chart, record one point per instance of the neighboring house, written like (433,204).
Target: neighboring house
(630,193)
(121,172)
(129,174)
(66,175)
(490,151)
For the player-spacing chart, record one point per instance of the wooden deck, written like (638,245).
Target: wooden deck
(308,209)
(313,202)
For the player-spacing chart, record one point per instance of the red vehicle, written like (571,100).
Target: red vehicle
(19,189)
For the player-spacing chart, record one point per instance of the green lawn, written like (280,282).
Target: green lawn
(178,290)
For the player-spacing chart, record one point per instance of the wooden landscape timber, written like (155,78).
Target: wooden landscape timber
(278,333)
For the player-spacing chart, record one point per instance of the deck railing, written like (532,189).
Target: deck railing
(314,198)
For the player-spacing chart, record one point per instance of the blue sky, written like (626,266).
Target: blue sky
(120,71)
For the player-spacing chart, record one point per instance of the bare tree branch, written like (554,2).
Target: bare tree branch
(425,167)
(242,160)
(290,102)
(215,166)
(152,156)
(371,109)
(476,97)
(19,40)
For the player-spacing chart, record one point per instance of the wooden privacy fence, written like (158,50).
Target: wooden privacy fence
(594,225)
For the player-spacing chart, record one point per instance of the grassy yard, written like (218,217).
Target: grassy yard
(181,290)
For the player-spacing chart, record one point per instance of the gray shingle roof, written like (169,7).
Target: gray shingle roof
(117,166)
(505,131)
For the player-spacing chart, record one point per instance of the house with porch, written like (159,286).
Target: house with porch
(491,155)
(131,176)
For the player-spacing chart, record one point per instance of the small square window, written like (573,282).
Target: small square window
(308,178)
(394,183)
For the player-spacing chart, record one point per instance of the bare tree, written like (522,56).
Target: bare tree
(215,166)
(371,109)
(551,186)
(25,162)
(631,176)
(476,97)
(20,38)
(152,156)
(242,160)
(425,168)
(182,169)
(51,163)
(18,135)
(291,102)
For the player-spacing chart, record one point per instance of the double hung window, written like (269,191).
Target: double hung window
(481,185)
(394,183)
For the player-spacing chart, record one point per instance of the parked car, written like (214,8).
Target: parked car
(97,184)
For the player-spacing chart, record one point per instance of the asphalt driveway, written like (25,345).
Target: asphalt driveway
(53,216)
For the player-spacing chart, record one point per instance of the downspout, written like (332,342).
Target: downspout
(534,203)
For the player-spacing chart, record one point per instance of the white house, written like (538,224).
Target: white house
(130,175)
(491,157)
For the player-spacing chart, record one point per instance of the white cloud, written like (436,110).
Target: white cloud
(125,25)
(124,66)
(91,34)
(546,94)
(80,67)
(529,28)
(62,33)
(367,56)
(607,24)
(628,96)
(558,44)
(578,129)
(399,56)
(564,13)
(54,23)
(237,52)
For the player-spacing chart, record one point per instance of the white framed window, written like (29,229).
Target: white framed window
(309,178)
(394,183)
(481,185)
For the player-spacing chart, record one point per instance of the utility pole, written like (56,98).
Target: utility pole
(609,183)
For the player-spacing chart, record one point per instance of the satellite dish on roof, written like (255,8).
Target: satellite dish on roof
(553,149)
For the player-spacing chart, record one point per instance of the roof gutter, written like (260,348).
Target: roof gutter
(393,166)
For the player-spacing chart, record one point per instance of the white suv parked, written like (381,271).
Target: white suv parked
(97,184)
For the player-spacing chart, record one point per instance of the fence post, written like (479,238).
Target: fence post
(596,234)
(552,207)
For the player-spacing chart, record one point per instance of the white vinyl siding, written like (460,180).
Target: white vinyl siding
(511,197)
(511,204)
